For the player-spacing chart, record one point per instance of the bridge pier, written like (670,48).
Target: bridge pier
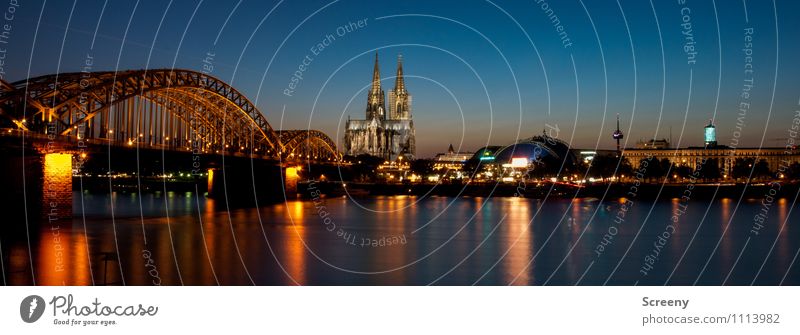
(57,186)
(45,180)
(290,177)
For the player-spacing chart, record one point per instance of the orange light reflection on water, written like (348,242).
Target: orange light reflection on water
(519,244)
(295,259)
(63,259)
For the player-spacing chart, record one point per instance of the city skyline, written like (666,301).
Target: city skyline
(451,54)
(354,142)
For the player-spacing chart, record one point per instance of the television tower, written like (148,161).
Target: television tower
(617,134)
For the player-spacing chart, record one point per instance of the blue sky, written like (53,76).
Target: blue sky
(480,72)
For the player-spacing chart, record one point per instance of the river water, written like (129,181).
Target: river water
(180,238)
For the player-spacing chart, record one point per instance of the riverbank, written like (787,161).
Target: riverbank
(307,189)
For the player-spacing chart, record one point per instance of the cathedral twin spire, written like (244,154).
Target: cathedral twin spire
(399,97)
(376,77)
(399,83)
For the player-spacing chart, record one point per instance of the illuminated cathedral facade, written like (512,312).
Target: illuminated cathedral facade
(387,135)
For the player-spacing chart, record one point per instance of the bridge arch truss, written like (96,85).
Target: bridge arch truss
(163,108)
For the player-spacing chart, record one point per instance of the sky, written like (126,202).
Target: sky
(480,72)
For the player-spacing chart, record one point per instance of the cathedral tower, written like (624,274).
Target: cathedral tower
(376,105)
(399,99)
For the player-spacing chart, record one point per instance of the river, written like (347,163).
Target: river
(182,239)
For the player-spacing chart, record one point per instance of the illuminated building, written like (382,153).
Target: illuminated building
(480,167)
(724,156)
(451,164)
(537,155)
(395,171)
(387,136)
(486,154)
(653,144)
(710,135)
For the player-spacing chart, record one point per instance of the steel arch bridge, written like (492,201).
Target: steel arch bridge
(161,108)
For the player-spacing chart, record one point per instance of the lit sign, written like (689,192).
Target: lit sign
(487,158)
(519,162)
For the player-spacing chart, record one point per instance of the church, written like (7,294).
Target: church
(383,135)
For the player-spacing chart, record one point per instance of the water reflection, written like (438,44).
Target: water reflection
(295,250)
(63,259)
(446,241)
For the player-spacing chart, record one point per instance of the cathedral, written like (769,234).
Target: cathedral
(387,136)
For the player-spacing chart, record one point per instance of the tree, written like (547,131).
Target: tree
(742,167)
(625,167)
(364,166)
(793,173)
(666,167)
(652,168)
(422,167)
(605,166)
(709,169)
(761,169)
(683,171)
